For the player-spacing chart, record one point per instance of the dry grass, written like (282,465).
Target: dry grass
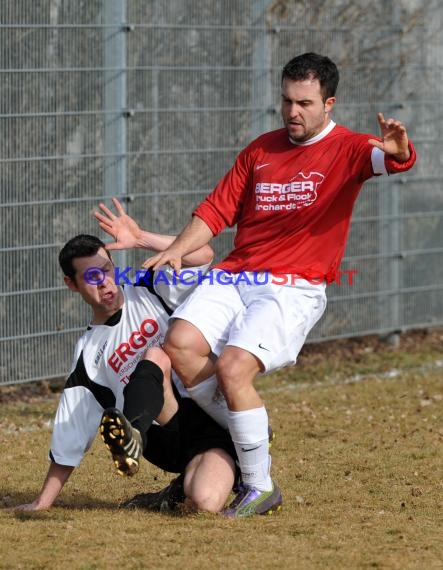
(359,462)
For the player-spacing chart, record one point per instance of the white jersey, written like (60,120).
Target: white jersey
(104,358)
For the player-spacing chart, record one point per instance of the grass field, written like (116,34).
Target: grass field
(358,455)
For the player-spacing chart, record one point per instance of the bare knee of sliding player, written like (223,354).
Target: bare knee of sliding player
(157,355)
(209,479)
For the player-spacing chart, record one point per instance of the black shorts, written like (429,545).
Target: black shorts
(189,432)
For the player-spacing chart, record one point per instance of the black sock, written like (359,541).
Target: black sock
(144,397)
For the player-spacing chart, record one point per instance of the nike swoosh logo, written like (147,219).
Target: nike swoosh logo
(252,449)
(260,166)
(263,347)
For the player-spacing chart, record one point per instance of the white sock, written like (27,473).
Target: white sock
(208,396)
(249,432)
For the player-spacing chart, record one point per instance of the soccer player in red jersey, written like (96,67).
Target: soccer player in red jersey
(291,193)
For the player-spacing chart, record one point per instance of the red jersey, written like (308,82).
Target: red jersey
(292,203)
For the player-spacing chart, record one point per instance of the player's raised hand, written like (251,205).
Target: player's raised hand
(124,229)
(167,257)
(394,138)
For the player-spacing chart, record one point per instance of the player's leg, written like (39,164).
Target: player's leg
(248,426)
(189,352)
(269,334)
(196,336)
(148,396)
(191,443)
(209,478)
(209,458)
(210,398)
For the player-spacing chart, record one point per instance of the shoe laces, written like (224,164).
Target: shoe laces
(242,490)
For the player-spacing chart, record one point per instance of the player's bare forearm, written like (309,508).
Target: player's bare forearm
(182,250)
(160,243)
(55,480)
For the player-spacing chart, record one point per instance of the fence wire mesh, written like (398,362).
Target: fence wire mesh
(151,101)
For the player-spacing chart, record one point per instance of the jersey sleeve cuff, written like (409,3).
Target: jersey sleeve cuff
(393,166)
(205,215)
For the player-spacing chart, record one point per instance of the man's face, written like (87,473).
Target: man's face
(304,112)
(105,298)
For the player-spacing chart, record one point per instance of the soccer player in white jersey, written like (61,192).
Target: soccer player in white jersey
(121,380)
(291,193)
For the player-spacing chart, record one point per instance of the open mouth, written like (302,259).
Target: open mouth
(108,297)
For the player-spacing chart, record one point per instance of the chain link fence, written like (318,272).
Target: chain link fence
(151,100)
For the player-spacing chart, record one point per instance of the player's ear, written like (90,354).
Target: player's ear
(329,103)
(70,283)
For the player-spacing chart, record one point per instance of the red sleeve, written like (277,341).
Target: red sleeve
(393,166)
(223,206)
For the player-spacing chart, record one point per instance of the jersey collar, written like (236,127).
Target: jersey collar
(321,135)
(111,322)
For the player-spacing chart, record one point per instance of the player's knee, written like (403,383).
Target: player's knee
(207,500)
(235,369)
(185,345)
(183,338)
(158,356)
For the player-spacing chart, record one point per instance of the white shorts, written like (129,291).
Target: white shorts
(269,320)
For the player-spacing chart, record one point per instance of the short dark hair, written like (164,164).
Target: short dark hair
(313,66)
(83,245)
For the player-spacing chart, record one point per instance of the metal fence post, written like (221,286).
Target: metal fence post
(115,117)
(390,316)
(261,91)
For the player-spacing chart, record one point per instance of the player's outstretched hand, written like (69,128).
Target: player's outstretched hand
(394,138)
(29,507)
(121,227)
(167,257)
